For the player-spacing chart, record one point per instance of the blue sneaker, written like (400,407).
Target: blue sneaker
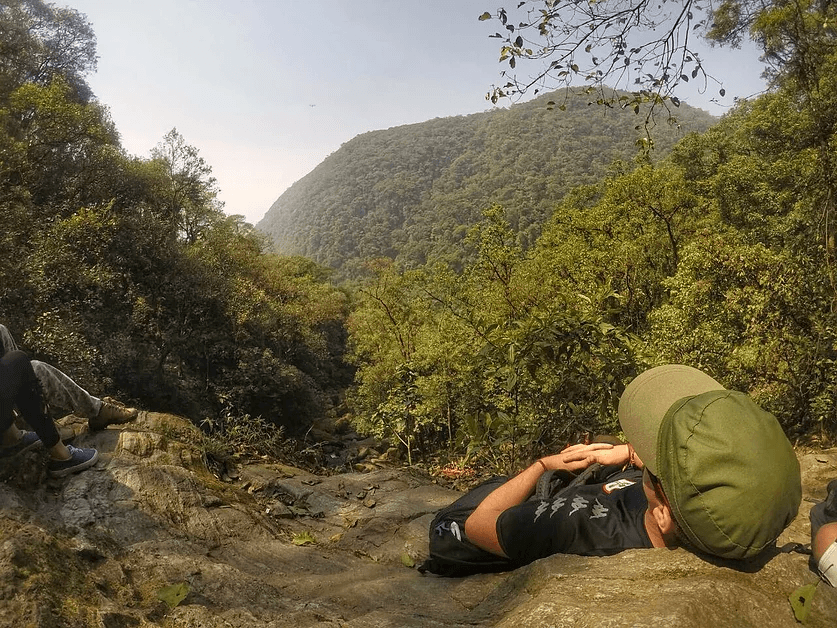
(29,440)
(79,460)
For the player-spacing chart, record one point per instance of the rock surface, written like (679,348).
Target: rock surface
(277,546)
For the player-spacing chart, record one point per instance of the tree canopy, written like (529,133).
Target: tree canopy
(720,255)
(512,271)
(124,271)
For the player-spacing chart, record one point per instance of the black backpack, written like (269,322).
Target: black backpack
(453,555)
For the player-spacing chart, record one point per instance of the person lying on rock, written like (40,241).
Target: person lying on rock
(706,468)
(19,388)
(61,392)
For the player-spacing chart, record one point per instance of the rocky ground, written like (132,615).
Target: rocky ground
(150,537)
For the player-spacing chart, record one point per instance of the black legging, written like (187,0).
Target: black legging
(19,387)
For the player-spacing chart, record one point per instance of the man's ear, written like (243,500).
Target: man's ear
(664,519)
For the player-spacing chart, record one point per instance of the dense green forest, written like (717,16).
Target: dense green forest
(512,328)
(411,192)
(125,272)
(720,255)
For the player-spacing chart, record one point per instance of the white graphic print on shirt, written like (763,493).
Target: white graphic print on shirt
(598,511)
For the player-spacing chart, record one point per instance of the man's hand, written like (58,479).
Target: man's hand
(578,457)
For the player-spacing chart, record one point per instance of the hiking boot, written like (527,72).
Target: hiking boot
(80,459)
(28,440)
(111,413)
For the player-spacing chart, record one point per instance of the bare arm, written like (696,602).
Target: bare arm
(481,526)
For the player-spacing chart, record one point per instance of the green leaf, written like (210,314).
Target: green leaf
(174,594)
(485,16)
(801,601)
(407,561)
(511,382)
(303,538)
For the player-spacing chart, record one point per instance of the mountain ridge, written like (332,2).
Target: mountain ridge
(410,192)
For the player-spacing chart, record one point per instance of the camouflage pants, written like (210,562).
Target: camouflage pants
(59,390)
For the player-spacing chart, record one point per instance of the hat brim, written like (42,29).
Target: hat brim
(647,399)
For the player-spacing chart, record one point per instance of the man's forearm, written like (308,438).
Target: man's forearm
(481,526)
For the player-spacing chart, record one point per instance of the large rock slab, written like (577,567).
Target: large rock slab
(278,546)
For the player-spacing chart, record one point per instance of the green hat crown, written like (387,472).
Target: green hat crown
(729,472)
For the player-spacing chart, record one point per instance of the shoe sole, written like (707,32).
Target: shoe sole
(79,467)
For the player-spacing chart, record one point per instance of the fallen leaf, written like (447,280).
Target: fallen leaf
(174,594)
(801,601)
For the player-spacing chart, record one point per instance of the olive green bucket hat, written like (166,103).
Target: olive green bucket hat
(726,467)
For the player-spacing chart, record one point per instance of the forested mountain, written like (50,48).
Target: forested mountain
(412,192)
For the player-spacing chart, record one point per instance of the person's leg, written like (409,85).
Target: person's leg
(12,440)
(823,518)
(61,391)
(20,386)
(58,389)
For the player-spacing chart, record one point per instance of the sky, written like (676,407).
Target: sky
(267,89)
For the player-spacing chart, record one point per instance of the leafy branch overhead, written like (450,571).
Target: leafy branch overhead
(647,47)
(650,47)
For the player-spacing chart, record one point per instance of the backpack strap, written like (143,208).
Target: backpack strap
(585,476)
(551,481)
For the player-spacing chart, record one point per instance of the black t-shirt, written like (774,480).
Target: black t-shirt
(590,520)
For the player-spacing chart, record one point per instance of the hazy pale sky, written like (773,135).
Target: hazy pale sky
(267,89)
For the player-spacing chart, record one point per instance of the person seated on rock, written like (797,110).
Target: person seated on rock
(19,388)
(61,392)
(823,518)
(705,468)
